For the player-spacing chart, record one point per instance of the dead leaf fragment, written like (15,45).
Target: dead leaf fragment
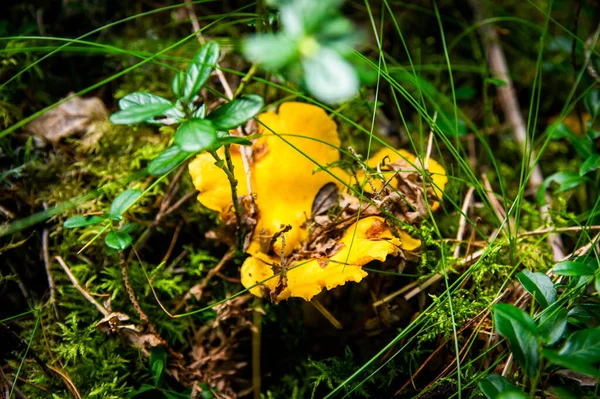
(77,116)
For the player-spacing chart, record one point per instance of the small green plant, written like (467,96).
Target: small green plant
(196,132)
(312,48)
(563,334)
(585,146)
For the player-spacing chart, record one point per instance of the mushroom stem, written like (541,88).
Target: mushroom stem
(228,168)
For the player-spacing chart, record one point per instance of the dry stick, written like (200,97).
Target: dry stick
(256,343)
(510,105)
(173,241)
(46,256)
(79,288)
(559,229)
(498,209)
(391,296)
(462,223)
(326,313)
(180,202)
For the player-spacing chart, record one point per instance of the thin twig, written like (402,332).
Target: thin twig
(462,223)
(326,313)
(46,256)
(179,202)
(79,288)
(256,345)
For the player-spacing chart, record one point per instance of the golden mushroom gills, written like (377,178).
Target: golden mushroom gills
(294,142)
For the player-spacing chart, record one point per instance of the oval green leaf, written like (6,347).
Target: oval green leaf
(521,332)
(552,325)
(138,99)
(571,362)
(139,114)
(203,64)
(329,77)
(539,286)
(583,345)
(118,240)
(577,267)
(590,164)
(177,84)
(494,385)
(167,160)
(195,135)
(236,112)
(81,221)
(123,202)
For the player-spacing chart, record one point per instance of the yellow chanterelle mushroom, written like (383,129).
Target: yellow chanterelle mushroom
(292,144)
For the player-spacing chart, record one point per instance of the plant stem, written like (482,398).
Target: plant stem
(245,80)
(228,168)
(256,338)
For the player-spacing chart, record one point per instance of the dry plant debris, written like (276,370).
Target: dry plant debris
(308,231)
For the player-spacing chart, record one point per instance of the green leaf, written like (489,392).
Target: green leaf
(552,325)
(582,145)
(590,164)
(158,362)
(141,390)
(232,140)
(123,202)
(138,114)
(539,286)
(494,385)
(187,394)
(465,93)
(195,135)
(565,180)
(579,316)
(496,82)
(177,84)
(271,51)
(597,283)
(583,345)
(139,99)
(118,240)
(577,267)
(521,332)
(236,112)
(570,362)
(167,160)
(446,121)
(592,102)
(329,77)
(202,66)
(81,221)
(513,395)
(129,227)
